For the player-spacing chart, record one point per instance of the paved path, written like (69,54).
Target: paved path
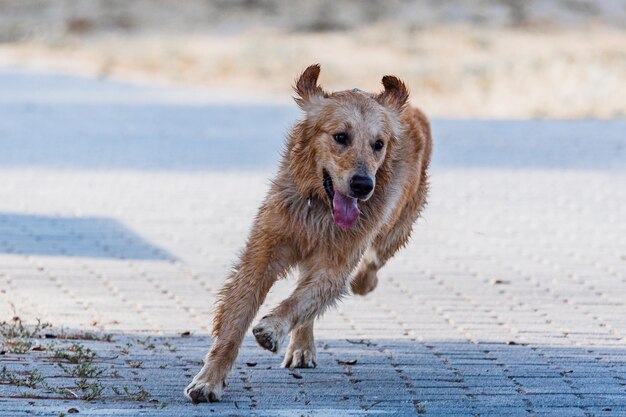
(121,209)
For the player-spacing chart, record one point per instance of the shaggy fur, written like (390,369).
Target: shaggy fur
(297,227)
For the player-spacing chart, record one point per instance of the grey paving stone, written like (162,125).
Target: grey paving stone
(122,209)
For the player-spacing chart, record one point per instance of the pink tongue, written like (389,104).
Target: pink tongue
(345,210)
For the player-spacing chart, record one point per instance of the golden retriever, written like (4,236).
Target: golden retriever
(352,181)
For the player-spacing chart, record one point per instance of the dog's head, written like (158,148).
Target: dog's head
(350,134)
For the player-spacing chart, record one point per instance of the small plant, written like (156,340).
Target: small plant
(75,354)
(78,362)
(16,334)
(18,346)
(31,379)
(140,395)
(135,364)
(82,370)
(89,390)
(15,329)
(146,343)
(126,349)
(107,337)
(419,408)
(169,346)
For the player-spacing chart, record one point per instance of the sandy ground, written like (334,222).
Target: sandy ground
(498,59)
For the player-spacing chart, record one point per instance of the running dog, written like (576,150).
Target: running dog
(352,181)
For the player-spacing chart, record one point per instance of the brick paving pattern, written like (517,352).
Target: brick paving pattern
(122,208)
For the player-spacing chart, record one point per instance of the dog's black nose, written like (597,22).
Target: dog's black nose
(361,185)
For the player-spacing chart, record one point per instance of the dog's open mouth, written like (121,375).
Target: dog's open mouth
(328,186)
(345,209)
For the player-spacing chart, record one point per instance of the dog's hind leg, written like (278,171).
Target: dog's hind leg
(238,302)
(318,290)
(384,246)
(301,351)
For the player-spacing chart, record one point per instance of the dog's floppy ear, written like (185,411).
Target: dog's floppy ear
(395,95)
(307,91)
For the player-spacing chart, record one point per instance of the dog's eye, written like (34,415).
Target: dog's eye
(378,145)
(341,138)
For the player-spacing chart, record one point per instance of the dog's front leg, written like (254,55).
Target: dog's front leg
(239,299)
(315,292)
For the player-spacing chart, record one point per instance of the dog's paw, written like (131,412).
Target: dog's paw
(270,333)
(301,351)
(300,358)
(201,391)
(364,282)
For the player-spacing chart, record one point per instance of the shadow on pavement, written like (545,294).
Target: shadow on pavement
(353,377)
(93,237)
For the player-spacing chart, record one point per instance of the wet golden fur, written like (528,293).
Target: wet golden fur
(294,226)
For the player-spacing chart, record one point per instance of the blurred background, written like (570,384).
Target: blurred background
(461,58)
(137,139)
